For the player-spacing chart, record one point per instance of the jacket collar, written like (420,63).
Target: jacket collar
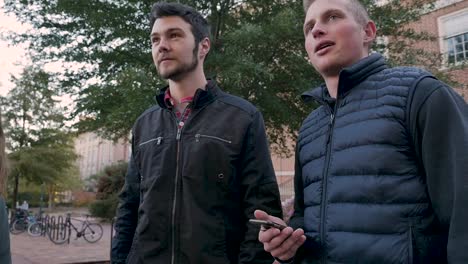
(349,78)
(201,98)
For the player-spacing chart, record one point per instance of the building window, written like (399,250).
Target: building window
(453,31)
(457,48)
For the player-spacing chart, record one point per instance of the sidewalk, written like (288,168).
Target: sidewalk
(40,250)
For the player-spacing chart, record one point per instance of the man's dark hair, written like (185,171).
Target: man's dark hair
(199,25)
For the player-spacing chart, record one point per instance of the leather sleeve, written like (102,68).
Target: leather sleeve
(127,215)
(259,189)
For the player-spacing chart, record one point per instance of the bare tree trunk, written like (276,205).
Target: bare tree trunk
(51,196)
(15,193)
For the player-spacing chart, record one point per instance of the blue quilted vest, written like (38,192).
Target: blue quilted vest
(364,194)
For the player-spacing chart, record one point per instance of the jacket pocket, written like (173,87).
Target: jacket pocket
(220,154)
(149,153)
(200,136)
(157,140)
(219,245)
(428,243)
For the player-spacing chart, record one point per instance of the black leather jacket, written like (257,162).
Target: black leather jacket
(189,192)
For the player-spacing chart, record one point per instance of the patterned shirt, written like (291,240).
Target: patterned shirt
(181,116)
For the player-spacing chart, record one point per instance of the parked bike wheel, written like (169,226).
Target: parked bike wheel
(36,229)
(18,226)
(93,233)
(58,234)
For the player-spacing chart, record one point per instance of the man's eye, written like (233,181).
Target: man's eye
(174,35)
(155,40)
(332,17)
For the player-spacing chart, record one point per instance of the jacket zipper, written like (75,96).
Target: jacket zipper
(159,139)
(176,182)
(198,136)
(174,203)
(323,210)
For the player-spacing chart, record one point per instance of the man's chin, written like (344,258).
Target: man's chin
(329,68)
(173,76)
(166,75)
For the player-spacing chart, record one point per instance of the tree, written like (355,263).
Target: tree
(49,163)
(41,151)
(110,183)
(257,53)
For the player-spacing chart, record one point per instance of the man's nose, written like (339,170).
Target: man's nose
(163,45)
(318,31)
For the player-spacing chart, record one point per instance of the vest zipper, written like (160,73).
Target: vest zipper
(332,118)
(323,208)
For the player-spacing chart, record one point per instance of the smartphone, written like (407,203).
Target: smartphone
(267,224)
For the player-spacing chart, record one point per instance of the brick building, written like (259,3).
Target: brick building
(95,153)
(284,169)
(449,23)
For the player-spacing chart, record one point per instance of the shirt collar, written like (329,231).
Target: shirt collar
(169,101)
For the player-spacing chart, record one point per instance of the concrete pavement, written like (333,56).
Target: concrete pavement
(40,250)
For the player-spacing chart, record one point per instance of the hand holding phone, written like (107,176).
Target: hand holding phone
(267,224)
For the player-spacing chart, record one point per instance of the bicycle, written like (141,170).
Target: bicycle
(23,221)
(37,228)
(61,232)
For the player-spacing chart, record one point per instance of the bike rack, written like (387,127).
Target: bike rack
(45,225)
(53,224)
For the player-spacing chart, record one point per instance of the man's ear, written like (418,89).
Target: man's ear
(204,48)
(370,32)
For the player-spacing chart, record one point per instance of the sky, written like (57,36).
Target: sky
(12,59)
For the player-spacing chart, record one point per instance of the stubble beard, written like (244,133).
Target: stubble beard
(182,70)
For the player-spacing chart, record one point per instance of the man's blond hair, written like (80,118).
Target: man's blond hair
(357,9)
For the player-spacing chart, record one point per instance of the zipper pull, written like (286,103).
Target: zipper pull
(159,140)
(197,137)
(332,117)
(178,134)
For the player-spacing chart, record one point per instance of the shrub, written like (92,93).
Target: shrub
(82,198)
(109,184)
(104,208)
(111,180)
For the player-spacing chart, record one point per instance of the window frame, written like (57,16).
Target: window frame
(443,45)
